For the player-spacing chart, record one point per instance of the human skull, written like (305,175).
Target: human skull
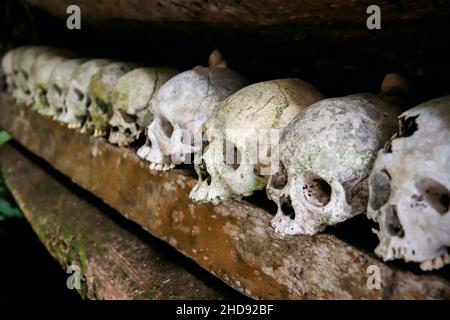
(410,188)
(58,86)
(180,108)
(130,99)
(40,75)
(8,67)
(242,134)
(326,156)
(23,92)
(75,109)
(100,109)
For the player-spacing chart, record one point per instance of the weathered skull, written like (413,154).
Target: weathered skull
(23,92)
(242,133)
(58,86)
(40,75)
(180,108)
(77,100)
(410,188)
(130,99)
(326,156)
(100,109)
(8,67)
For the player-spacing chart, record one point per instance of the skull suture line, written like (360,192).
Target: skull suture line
(180,108)
(242,134)
(75,109)
(410,188)
(58,86)
(131,98)
(100,110)
(326,156)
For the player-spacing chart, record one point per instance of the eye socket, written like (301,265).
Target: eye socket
(79,94)
(102,106)
(435,194)
(380,185)
(57,89)
(316,190)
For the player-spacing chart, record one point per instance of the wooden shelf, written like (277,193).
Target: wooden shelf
(114,263)
(233,241)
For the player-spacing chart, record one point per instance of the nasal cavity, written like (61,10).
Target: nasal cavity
(286,207)
(435,194)
(316,190)
(394,227)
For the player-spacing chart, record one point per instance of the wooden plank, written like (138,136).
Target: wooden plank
(115,264)
(234,241)
(248,12)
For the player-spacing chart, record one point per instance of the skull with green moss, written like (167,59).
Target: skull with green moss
(326,155)
(100,109)
(58,86)
(41,73)
(242,134)
(130,99)
(77,100)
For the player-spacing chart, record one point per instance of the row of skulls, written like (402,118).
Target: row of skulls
(321,160)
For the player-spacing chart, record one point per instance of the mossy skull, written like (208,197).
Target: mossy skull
(326,154)
(100,109)
(131,98)
(77,100)
(242,134)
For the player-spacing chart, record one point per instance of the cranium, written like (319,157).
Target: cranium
(130,99)
(41,72)
(8,67)
(242,134)
(410,188)
(100,109)
(77,100)
(180,108)
(23,92)
(326,156)
(58,86)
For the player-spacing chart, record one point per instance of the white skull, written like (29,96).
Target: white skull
(77,99)
(23,91)
(58,86)
(100,109)
(242,133)
(40,75)
(410,188)
(8,67)
(180,108)
(130,99)
(326,156)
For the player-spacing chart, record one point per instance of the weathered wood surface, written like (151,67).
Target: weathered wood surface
(247,12)
(234,241)
(114,263)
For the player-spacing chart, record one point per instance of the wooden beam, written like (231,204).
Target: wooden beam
(114,263)
(234,241)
